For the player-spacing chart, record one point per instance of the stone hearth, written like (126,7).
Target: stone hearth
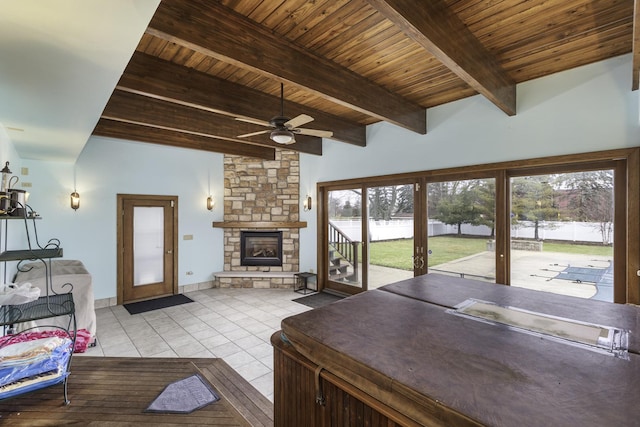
(260,192)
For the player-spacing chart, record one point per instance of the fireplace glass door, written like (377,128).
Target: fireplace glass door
(261,248)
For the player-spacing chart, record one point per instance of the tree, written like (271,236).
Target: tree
(589,198)
(334,207)
(485,203)
(387,202)
(347,210)
(463,202)
(382,201)
(405,200)
(532,199)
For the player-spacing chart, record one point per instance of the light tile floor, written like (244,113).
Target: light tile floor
(233,324)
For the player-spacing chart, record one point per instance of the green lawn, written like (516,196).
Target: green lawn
(578,249)
(398,253)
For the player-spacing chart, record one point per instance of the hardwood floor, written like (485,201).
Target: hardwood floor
(116,391)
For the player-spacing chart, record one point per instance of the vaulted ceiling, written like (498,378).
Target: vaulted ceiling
(202,65)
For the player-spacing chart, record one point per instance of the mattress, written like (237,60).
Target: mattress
(406,347)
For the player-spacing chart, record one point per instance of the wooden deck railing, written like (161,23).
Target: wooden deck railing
(346,247)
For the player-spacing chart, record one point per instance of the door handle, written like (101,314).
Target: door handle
(170,251)
(418,261)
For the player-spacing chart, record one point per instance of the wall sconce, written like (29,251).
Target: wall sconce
(75,200)
(306,205)
(210,202)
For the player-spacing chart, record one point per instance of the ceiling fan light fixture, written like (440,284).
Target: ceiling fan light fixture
(282,136)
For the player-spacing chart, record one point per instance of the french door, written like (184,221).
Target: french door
(370,236)
(461,227)
(147,239)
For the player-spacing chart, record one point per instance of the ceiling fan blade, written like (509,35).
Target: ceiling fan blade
(315,132)
(253,134)
(298,121)
(253,121)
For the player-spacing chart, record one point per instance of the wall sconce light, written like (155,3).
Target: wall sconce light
(306,205)
(210,202)
(75,200)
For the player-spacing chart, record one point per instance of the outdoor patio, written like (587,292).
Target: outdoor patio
(583,276)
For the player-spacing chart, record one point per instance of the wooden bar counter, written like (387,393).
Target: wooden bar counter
(409,354)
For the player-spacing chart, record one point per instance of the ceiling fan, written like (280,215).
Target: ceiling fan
(284,128)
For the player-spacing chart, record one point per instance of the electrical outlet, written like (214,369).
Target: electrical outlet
(187,237)
(189,273)
(26,185)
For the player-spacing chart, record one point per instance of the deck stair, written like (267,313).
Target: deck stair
(343,256)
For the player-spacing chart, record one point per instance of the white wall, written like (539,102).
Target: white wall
(590,108)
(107,167)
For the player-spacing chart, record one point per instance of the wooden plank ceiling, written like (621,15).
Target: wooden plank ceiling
(202,64)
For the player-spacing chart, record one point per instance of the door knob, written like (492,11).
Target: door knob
(170,251)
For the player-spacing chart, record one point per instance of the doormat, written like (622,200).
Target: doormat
(154,304)
(184,396)
(318,300)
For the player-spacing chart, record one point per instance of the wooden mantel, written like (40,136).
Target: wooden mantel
(258,224)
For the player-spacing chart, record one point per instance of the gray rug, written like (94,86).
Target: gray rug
(184,396)
(318,300)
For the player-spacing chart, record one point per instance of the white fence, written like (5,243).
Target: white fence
(403,229)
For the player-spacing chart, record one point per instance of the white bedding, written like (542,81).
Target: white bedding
(63,271)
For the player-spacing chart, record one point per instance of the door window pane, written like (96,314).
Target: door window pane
(148,245)
(562,233)
(461,228)
(345,237)
(390,234)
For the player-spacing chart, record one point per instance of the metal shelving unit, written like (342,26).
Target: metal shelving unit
(50,305)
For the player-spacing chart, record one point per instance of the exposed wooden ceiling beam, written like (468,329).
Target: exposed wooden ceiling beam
(154,113)
(134,132)
(154,77)
(436,28)
(215,30)
(635,84)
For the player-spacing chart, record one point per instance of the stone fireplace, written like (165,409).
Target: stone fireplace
(261,197)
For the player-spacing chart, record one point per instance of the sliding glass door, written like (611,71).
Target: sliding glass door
(390,236)
(461,228)
(564,225)
(562,233)
(370,239)
(345,244)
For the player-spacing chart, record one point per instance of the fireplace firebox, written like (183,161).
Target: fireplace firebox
(261,248)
